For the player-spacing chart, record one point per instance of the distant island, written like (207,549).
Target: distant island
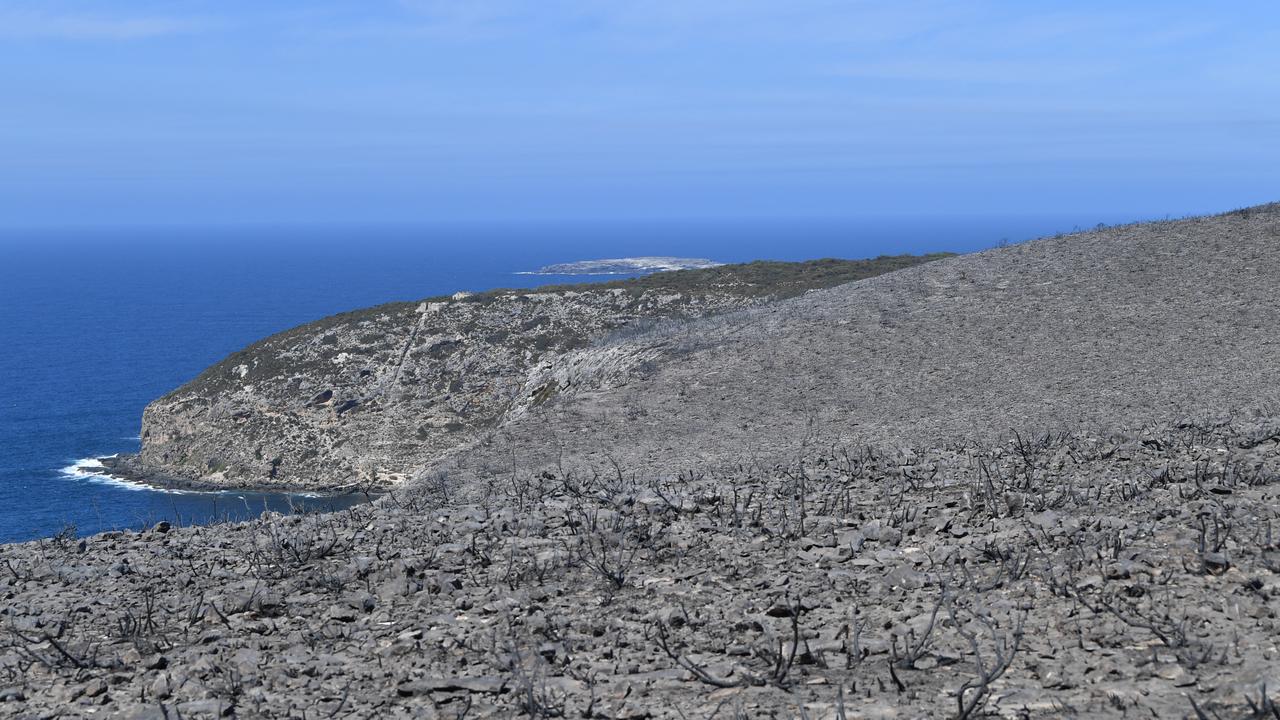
(625,266)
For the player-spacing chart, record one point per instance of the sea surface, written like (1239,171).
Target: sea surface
(96,323)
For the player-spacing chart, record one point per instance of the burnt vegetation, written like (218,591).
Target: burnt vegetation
(760,279)
(1061,574)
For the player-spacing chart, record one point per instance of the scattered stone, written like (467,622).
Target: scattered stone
(452,684)
(12,694)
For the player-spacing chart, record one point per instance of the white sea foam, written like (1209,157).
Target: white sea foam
(92,470)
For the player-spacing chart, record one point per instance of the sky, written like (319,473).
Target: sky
(125,112)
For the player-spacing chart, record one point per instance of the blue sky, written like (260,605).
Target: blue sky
(135,112)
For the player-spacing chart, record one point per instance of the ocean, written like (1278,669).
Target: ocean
(96,323)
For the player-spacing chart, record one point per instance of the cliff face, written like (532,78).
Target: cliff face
(366,399)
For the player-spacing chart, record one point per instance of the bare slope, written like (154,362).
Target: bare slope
(1114,327)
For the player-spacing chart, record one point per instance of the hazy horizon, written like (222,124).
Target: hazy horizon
(306,229)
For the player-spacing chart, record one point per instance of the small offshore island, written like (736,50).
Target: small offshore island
(1035,481)
(626,266)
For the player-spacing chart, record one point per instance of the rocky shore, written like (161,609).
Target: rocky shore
(129,469)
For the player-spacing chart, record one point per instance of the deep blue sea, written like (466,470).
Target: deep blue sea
(96,323)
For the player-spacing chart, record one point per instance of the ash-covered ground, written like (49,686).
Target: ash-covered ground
(1050,576)
(1037,481)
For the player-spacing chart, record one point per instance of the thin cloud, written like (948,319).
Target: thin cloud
(37,25)
(977,71)
(655,21)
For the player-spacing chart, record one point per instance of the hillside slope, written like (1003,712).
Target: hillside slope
(1120,326)
(369,397)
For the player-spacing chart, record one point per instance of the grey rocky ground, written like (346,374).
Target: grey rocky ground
(1053,576)
(1039,481)
(1114,327)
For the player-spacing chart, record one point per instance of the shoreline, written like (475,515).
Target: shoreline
(125,469)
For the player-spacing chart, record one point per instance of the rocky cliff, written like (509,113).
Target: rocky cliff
(370,397)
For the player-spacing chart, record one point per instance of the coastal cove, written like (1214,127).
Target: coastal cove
(201,504)
(96,325)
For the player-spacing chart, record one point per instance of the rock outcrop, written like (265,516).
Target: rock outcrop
(369,398)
